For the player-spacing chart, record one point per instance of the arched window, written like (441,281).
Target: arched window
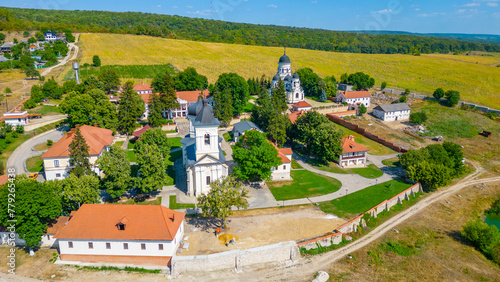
(297,95)
(207,139)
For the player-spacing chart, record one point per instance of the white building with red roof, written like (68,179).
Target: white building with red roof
(282,172)
(16,118)
(143,88)
(185,99)
(301,106)
(353,154)
(125,234)
(355,97)
(56,160)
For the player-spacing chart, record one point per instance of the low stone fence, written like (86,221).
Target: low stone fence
(338,120)
(243,116)
(235,259)
(169,127)
(352,226)
(332,109)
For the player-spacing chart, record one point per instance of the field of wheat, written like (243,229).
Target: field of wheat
(477,82)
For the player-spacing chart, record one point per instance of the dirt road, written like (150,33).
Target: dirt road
(305,268)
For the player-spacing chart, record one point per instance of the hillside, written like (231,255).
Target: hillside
(228,32)
(477,80)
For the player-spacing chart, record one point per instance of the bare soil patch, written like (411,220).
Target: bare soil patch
(256,230)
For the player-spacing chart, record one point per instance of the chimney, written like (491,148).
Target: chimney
(351,137)
(95,124)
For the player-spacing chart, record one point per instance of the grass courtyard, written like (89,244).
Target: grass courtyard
(363,200)
(305,184)
(34,164)
(370,171)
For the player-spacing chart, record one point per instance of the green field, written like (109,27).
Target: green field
(362,201)
(453,123)
(370,171)
(174,142)
(34,164)
(45,110)
(476,82)
(305,184)
(127,71)
(374,147)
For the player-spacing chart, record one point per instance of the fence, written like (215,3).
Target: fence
(362,131)
(235,259)
(352,226)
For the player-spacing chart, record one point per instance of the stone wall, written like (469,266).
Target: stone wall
(362,131)
(323,241)
(235,259)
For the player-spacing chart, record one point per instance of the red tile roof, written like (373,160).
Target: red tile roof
(139,132)
(145,222)
(191,96)
(15,116)
(143,87)
(301,104)
(349,146)
(4,179)
(295,115)
(145,97)
(282,152)
(356,94)
(97,138)
(56,226)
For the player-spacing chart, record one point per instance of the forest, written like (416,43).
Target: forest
(177,27)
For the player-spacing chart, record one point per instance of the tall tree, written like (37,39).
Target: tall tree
(51,89)
(164,85)
(155,136)
(81,190)
(96,61)
(452,98)
(116,169)
(313,85)
(152,168)
(79,155)
(190,80)
(225,194)
(277,128)
(89,108)
(37,204)
(223,109)
(155,110)
(438,93)
(130,108)
(255,157)
(109,79)
(238,87)
(278,97)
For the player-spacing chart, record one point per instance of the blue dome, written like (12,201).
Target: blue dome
(288,78)
(284,59)
(276,77)
(295,76)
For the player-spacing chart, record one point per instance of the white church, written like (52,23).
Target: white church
(202,156)
(293,89)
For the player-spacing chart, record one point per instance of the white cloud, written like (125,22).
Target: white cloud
(426,15)
(174,7)
(496,15)
(473,4)
(384,11)
(492,4)
(417,9)
(190,7)
(158,6)
(201,13)
(314,2)
(272,6)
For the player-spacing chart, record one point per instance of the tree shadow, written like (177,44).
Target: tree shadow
(206,224)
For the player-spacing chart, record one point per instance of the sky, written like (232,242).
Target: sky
(426,16)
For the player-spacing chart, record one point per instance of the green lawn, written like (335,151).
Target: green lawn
(362,201)
(295,164)
(131,144)
(170,167)
(34,164)
(304,184)
(131,156)
(175,142)
(371,171)
(41,147)
(227,136)
(44,110)
(394,162)
(248,107)
(120,143)
(176,206)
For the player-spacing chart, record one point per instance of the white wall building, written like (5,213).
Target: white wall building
(293,89)
(353,154)
(282,172)
(202,155)
(355,97)
(56,161)
(392,112)
(130,234)
(16,118)
(50,36)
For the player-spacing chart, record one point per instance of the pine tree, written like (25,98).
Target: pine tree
(223,109)
(130,108)
(279,98)
(277,128)
(165,86)
(155,108)
(79,155)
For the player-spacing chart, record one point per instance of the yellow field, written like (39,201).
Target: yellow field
(492,60)
(476,82)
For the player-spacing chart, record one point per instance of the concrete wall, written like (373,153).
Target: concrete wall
(362,131)
(323,241)
(235,259)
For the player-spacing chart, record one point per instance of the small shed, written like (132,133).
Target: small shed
(139,132)
(16,118)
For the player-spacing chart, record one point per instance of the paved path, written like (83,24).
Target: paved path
(37,123)
(18,158)
(71,46)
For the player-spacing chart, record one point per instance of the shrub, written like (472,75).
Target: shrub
(481,235)
(452,98)
(383,86)
(50,142)
(438,93)
(407,91)
(418,118)
(20,129)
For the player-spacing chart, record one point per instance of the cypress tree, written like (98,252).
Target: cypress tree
(79,155)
